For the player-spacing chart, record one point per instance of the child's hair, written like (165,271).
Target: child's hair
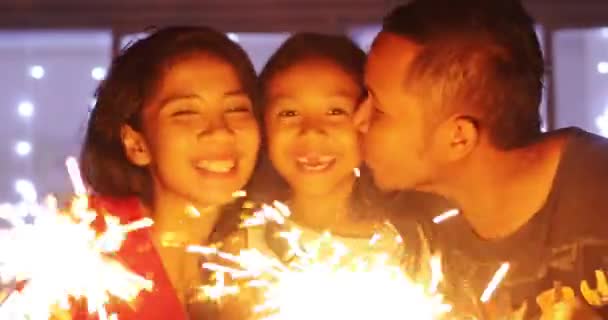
(267,184)
(300,47)
(133,78)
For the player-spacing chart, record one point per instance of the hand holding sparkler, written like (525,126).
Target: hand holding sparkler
(560,303)
(61,256)
(596,297)
(323,281)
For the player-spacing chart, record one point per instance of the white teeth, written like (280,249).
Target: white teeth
(320,159)
(315,163)
(318,167)
(217,166)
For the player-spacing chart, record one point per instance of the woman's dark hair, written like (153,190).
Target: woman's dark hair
(133,78)
(267,184)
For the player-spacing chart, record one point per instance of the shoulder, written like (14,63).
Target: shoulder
(128,209)
(579,195)
(584,162)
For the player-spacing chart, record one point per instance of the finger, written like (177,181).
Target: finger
(602,284)
(590,295)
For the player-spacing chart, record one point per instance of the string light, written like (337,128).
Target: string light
(602,67)
(98,73)
(601,122)
(26,109)
(233,36)
(26,189)
(37,72)
(23,148)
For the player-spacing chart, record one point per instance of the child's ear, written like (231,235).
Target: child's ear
(135,146)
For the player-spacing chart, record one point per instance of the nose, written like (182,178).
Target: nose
(313,125)
(216,128)
(362,116)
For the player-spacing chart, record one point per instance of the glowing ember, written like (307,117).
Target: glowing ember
(323,281)
(61,256)
(445,216)
(239,194)
(499,275)
(436,273)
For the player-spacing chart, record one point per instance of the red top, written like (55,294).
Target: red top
(139,255)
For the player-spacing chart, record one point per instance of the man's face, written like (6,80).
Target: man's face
(397,141)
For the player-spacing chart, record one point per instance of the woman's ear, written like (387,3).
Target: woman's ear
(135,146)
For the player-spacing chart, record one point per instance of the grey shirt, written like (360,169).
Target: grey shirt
(566,241)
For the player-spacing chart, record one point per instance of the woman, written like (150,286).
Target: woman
(173,135)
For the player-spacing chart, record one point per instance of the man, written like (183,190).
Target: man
(453,109)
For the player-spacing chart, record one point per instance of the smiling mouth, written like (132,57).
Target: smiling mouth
(315,163)
(217,166)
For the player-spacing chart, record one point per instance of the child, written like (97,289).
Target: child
(173,135)
(310,89)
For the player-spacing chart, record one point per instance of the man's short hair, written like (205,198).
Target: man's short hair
(480,58)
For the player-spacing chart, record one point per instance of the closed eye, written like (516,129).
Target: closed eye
(287,113)
(184,113)
(239,109)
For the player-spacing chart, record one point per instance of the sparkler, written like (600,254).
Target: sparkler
(324,280)
(499,275)
(446,215)
(61,257)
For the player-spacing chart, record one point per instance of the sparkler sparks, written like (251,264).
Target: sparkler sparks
(496,279)
(445,216)
(61,257)
(323,281)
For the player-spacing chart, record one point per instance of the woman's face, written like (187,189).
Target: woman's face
(311,138)
(200,137)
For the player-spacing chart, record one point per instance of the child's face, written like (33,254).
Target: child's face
(311,138)
(200,137)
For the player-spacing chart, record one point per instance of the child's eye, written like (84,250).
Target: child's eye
(288,113)
(239,109)
(337,112)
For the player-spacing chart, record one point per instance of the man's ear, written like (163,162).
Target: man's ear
(461,136)
(135,146)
